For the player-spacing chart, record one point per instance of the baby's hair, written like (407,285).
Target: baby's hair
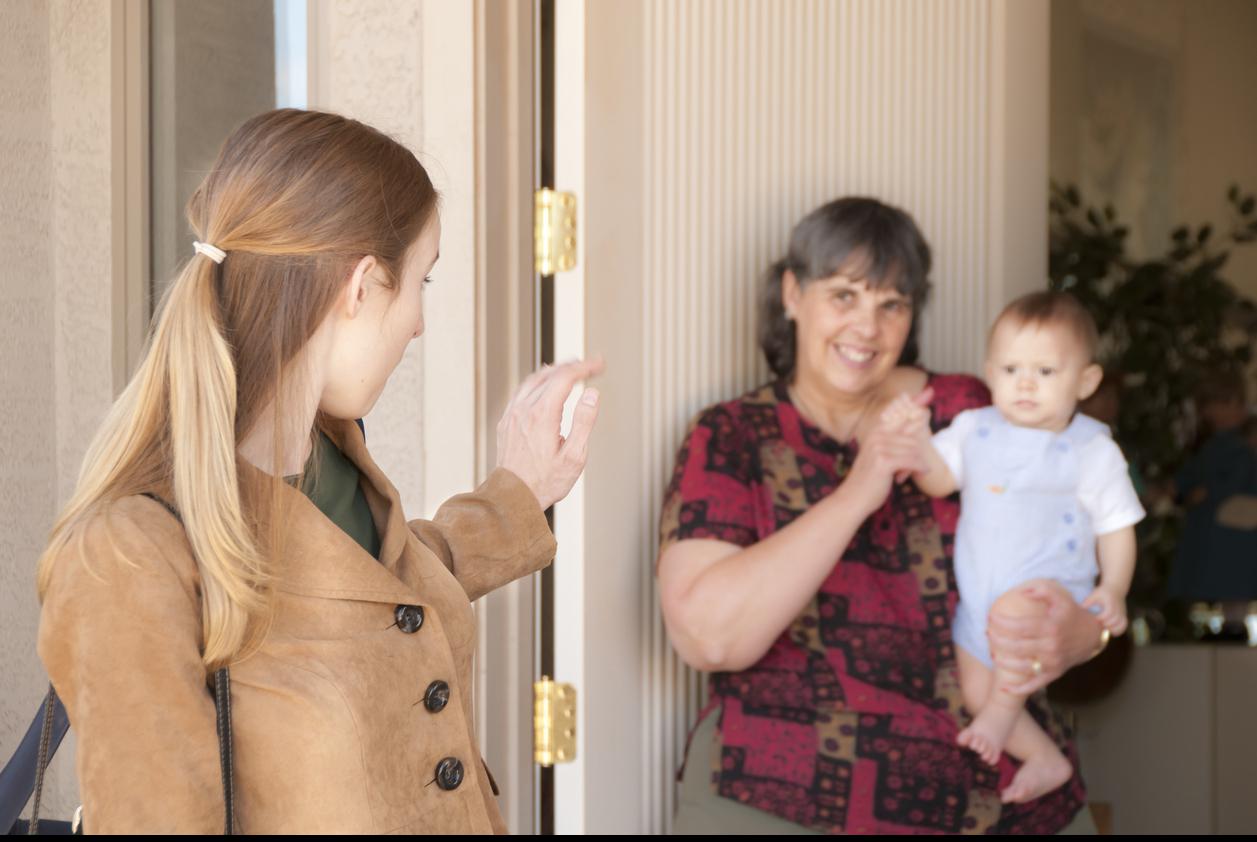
(1052,309)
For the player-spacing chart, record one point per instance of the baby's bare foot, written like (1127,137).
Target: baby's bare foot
(987,733)
(1039,775)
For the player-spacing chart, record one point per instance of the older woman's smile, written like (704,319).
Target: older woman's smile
(856,355)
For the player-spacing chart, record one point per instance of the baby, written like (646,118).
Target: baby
(1045,494)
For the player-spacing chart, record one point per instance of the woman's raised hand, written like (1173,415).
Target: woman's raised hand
(530,444)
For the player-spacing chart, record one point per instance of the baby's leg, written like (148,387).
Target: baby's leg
(1043,767)
(993,723)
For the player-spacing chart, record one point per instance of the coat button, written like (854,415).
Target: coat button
(449,773)
(409,618)
(436,697)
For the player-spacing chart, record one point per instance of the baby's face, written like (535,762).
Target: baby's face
(1037,374)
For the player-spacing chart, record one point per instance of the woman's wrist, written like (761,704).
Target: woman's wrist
(1092,637)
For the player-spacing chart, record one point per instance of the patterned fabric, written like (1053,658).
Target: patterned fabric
(848,723)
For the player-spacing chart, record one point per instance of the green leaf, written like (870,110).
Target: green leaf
(1203,234)
(1071,195)
(1180,233)
(1246,206)
(1233,192)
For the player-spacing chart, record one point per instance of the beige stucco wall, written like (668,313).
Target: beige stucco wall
(56,299)
(1208,45)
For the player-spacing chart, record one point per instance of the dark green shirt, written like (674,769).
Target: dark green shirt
(332,483)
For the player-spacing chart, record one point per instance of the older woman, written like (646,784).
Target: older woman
(818,591)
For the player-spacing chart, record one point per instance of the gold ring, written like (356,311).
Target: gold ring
(1037,667)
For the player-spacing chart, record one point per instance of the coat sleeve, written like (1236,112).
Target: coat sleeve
(120,636)
(490,537)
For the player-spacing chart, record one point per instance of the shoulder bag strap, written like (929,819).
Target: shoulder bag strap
(222,707)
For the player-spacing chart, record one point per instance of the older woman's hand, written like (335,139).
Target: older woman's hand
(891,452)
(530,444)
(1062,636)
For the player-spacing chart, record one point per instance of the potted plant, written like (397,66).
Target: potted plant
(1163,323)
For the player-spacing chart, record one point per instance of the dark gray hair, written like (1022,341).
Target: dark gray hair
(859,236)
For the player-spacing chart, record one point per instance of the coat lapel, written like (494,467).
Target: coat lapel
(319,559)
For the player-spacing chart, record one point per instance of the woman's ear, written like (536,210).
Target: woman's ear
(790,293)
(355,292)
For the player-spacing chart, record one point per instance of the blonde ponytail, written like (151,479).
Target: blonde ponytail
(184,394)
(294,199)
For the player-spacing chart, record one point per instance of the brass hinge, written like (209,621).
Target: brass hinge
(554,722)
(554,231)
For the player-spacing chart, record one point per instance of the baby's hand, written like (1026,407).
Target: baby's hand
(904,415)
(1112,609)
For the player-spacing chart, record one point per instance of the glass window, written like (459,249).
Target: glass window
(213,65)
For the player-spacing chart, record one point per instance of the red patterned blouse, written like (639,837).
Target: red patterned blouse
(848,723)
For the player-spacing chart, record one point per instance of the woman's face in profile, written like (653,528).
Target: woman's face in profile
(368,347)
(848,336)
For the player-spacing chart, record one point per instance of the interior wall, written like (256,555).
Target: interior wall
(1173,80)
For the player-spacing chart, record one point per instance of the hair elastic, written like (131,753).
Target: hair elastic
(214,253)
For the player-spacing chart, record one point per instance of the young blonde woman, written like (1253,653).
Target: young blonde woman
(228,515)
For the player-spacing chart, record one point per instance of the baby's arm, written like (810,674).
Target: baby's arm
(1107,495)
(937,481)
(1115,553)
(906,416)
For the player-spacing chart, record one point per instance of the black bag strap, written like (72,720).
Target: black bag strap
(222,709)
(23,774)
(222,704)
(25,771)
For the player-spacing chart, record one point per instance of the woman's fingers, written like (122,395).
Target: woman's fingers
(530,443)
(1021,668)
(576,448)
(552,391)
(1013,646)
(1030,686)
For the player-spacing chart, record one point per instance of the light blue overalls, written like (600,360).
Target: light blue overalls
(1020,517)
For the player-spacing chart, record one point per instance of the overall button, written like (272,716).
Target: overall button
(449,773)
(436,697)
(409,618)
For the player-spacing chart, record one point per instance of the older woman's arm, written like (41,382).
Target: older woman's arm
(724,605)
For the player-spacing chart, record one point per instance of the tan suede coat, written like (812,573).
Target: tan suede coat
(331,734)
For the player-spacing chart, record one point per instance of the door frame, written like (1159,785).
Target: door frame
(506,351)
